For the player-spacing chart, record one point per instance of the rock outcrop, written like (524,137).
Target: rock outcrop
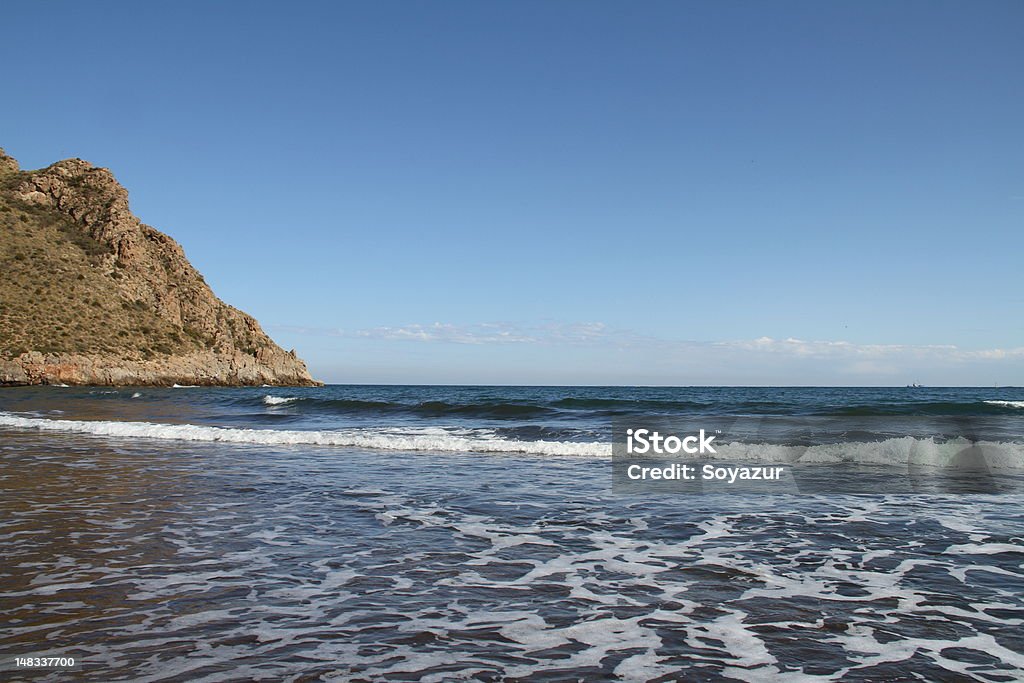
(91,295)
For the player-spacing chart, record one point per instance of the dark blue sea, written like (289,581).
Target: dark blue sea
(436,533)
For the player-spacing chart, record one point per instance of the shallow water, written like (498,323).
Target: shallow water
(153,559)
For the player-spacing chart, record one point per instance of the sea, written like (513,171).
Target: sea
(481,533)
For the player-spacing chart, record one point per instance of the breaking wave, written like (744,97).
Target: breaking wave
(1007,404)
(904,451)
(399,439)
(897,451)
(278,400)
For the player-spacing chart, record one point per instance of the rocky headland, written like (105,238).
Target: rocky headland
(91,295)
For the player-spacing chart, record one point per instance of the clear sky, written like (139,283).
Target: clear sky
(566,191)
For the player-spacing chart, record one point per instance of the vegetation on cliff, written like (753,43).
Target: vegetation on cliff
(89,294)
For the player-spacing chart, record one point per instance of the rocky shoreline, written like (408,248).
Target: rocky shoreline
(199,369)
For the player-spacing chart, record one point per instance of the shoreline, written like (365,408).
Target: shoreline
(207,368)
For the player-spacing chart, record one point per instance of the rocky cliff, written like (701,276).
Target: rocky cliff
(91,295)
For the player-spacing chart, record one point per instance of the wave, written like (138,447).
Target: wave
(497,409)
(404,439)
(1006,404)
(934,408)
(632,405)
(898,451)
(493,410)
(907,451)
(612,406)
(278,400)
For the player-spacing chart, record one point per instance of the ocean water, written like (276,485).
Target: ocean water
(358,533)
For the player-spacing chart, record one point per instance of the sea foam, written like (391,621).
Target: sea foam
(901,451)
(1008,404)
(402,439)
(278,400)
(904,451)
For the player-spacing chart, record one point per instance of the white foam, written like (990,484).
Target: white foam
(429,439)
(278,400)
(984,549)
(902,451)
(1008,404)
(184,386)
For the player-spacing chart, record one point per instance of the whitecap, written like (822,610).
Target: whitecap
(901,451)
(278,400)
(1008,404)
(409,439)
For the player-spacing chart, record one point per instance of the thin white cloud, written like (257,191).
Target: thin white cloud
(844,349)
(485,333)
(480,333)
(858,357)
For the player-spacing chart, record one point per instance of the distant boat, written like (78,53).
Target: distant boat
(914,386)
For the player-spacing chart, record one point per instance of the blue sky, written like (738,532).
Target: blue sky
(566,192)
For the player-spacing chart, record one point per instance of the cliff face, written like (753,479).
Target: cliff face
(91,295)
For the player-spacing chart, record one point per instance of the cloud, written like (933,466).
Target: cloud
(479,333)
(848,356)
(844,349)
(484,333)
(597,353)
